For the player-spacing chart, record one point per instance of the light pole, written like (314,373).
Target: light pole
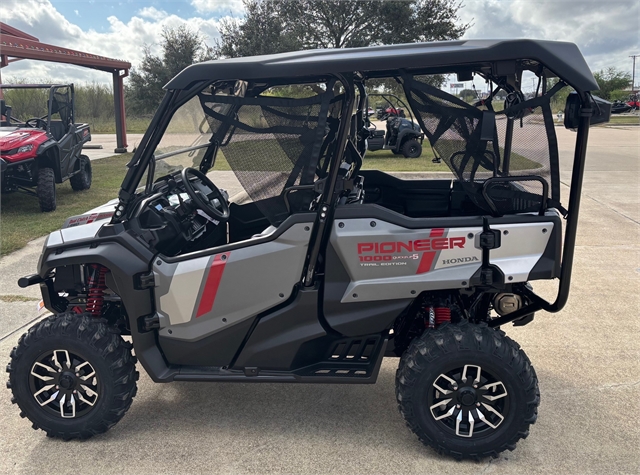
(633,72)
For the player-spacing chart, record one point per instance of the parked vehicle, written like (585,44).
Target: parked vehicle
(41,152)
(384,112)
(402,136)
(323,268)
(619,107)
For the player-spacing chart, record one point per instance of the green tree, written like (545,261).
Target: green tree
(274,26)
(611,79)
(181,47)
(468,95)
(619,95)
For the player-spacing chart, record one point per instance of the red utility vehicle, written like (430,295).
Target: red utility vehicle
(42,151)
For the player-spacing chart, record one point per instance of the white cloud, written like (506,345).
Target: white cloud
(230,7)
(121,40)
(605,31)
(153,13)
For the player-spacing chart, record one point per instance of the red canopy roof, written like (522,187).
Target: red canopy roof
(17,44)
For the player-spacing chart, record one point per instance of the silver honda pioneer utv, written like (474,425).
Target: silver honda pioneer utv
(320,269)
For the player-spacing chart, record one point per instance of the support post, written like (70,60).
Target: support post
(118,102)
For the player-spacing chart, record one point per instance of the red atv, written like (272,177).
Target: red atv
(43,151)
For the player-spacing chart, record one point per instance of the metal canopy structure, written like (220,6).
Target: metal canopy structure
(16,45)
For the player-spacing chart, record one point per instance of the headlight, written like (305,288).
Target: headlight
(25,148)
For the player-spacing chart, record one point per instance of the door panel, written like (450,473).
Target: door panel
(199,297)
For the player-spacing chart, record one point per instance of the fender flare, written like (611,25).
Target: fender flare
(45,150)
(125,260)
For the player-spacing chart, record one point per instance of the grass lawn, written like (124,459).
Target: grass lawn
(21,219)
(624,120)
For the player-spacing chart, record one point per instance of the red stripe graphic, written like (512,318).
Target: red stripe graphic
(211,286)
(428,257)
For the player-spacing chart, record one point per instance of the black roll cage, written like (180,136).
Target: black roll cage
(52,89)
(173,99)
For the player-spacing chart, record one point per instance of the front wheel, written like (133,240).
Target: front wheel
(46,189)
(82,180)
(467,390)
(72,376)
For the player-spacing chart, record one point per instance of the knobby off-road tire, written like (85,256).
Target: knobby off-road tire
(82,180)
(508,388)
(46,189)
(85,359)
(412,148)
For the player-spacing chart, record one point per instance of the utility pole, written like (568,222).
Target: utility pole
(633,72)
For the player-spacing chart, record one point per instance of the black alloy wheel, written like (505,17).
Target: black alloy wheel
(72,376)
(64,383)
(467,390)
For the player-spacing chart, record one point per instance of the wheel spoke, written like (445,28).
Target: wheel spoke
(459,421)
(72,404)
(67,359)
(86,401)
(42,376)
(90,392)
(51,399)
(442,390)
(492,410)
(44,388)
(478,372)
(444,402)
(494,387)
(447,414)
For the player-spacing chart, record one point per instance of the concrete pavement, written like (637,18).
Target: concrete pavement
(587,359)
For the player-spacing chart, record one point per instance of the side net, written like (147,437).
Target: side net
(272,144)
(479,144)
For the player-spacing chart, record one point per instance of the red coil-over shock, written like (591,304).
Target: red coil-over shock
(443,315)
(97,286)
(437,316)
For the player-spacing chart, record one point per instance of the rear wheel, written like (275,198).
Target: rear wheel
(72,376)
(412,148)
(82,180)
(46,189)
(467,390)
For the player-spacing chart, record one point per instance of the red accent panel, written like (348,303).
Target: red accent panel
(425,262)
(427,257)
(211,286)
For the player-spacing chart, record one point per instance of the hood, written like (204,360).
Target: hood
(101,213)
(12,139)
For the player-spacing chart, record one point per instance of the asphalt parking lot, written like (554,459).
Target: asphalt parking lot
(587,359)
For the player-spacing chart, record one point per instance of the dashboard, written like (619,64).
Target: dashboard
(169,220)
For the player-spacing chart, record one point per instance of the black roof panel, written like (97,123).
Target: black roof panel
(564,59)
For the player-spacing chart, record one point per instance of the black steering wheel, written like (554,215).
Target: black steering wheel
(37,122)
(203,192)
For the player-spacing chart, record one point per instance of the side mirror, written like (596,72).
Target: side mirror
(601,111)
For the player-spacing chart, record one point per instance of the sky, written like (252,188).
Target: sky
(606,31)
